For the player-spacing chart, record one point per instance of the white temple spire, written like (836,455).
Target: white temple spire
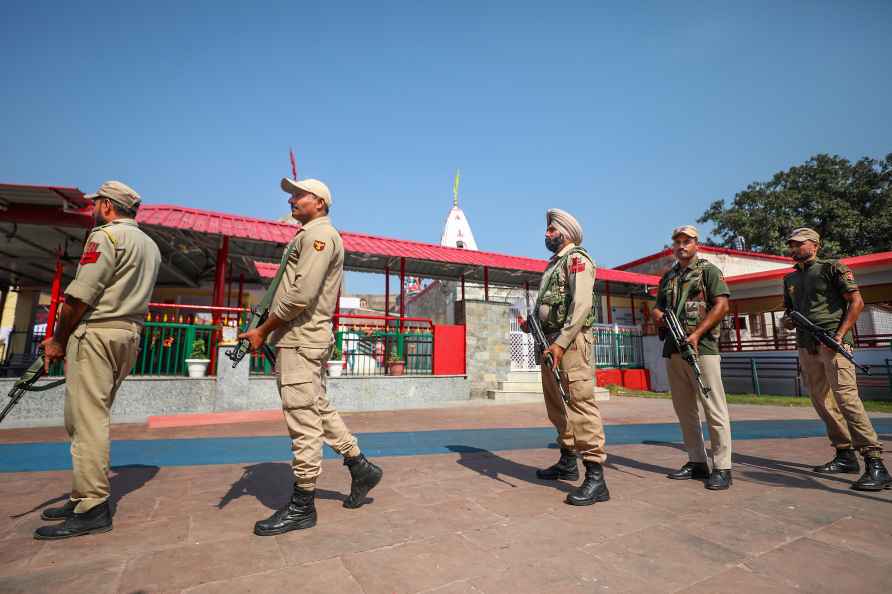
(457,231)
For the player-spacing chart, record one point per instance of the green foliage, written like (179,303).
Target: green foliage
(198,349)
(849,204)
(335,353)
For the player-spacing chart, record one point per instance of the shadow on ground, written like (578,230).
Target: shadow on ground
(124,480)
(271,483)
(783,473)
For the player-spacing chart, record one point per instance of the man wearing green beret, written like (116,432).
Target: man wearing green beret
(825,292)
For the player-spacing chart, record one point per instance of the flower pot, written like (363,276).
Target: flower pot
(396,367)
(335,368)
(197,367)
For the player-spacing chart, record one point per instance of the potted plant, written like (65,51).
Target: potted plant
(198,361)
(335,362)
(395,364)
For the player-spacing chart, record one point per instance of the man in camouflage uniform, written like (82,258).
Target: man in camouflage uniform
(98,337)
(825,292)
(696,291)
(564,305)
(300,325)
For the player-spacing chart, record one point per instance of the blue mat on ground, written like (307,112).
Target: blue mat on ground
(26,457)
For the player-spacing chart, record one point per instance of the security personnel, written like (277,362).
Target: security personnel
(564,305)
(825,292)
(98,337)
(300,327)
(696,291)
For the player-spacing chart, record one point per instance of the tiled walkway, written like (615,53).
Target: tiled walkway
(469,521)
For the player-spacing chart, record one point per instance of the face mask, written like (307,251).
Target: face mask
(554,243)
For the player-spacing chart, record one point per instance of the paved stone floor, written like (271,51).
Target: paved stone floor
(472,521)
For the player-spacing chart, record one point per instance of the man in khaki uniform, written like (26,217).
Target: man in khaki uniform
(300,326)
(695,290)
(98,337)
(825,292)
(564,305)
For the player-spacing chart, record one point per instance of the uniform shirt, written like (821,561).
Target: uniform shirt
(117,272)
(713,285)
(816,289)
(578,274)
(307,296)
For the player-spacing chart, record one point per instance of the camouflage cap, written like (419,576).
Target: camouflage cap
(804,234)
(119,193)
(313,186)
(688,230)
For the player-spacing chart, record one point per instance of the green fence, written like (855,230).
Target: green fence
(165,346)
(365,353)
(618,346)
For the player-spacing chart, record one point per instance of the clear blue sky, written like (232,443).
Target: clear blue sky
(633,118)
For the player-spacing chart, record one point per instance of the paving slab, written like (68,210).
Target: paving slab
(467,520)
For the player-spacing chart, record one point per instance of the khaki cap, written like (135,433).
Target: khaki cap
(804,234)
(119,193)
(688,230)
(313,186)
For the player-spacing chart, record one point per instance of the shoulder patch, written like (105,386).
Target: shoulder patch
(91,253)
(318,245)
(850,276)
(577,264)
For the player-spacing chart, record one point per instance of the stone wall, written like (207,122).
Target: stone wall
(233,390)
(488,351)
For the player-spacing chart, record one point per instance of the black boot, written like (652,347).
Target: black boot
(719,480)
(691,470)
(300,513)
(592,489)
(59,513)
(566,468)
(96,520)
(844,462)
(875,477)
(365,476)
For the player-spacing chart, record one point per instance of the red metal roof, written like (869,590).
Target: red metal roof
(853,262)
(202,221)
(711,249)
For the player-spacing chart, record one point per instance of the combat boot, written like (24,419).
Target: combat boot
(566,468)
(592,489)
(875,477)
(364,476)
(844,462)
(93,521)
(300,513)
(59,513)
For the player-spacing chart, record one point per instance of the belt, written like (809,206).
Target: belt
(113,324)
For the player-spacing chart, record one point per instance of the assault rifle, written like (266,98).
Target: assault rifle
(260,313)
(684,348)
(542,345)
(825,338)
(26,384)
(258,316)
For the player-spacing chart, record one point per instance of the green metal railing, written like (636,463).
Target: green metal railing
(618,346)
(364,353)
(165,346)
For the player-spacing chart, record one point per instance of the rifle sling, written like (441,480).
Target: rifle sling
(43,387)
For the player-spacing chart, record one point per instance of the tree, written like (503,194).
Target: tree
(849,204)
